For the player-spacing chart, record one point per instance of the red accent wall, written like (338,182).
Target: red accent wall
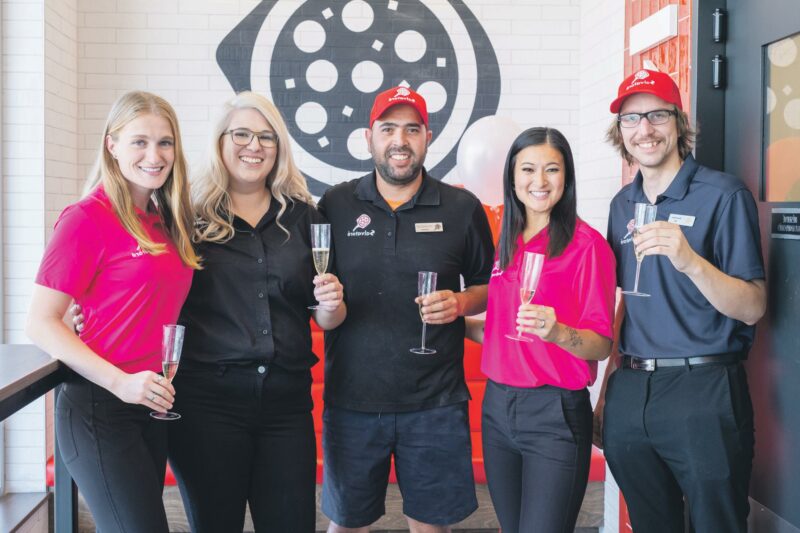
(673,57)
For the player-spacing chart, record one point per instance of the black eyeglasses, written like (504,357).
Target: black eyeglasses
(654,117)
(243,137)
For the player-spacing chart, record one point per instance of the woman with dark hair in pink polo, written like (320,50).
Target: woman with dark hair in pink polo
(537,417)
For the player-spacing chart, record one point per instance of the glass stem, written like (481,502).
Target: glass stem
(423,336)
(636,281)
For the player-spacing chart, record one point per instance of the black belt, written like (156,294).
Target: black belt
(638,363)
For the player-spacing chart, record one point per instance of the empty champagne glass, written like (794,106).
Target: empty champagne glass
(426,284)
(530,272)
(320,249)
(171,346)
(643,214)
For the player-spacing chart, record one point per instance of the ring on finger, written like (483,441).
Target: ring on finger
(159,378)
(541,323)
(152,397)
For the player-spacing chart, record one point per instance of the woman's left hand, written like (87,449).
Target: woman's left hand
(539,320)
(328,291)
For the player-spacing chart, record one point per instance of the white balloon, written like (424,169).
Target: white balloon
(482,155)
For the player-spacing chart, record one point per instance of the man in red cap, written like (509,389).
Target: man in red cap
(676,413)
(382,401)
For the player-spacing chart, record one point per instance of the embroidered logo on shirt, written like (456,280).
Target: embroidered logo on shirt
(361,224)
(138,253)
(628,236)
(496,270)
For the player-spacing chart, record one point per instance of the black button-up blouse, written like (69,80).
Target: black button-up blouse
(249,303)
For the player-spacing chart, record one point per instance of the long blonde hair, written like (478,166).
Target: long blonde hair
(210,187)
(172,198)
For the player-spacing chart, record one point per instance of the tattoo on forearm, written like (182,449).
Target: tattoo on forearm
(575,339)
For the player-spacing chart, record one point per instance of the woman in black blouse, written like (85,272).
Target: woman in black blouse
(244,385)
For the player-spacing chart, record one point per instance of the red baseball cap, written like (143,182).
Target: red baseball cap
(648,81)
(397,96)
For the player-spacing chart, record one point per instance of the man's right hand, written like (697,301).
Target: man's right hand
(77,317)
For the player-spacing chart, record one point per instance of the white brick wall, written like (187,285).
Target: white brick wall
(601,71)
(171,51)
(22,216)
(39,164)
(62,181)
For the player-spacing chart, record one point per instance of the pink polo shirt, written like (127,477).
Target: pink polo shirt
(126,294)
(579,284)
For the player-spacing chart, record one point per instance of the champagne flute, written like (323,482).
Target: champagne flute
(532,264)
(643,214)
(320,249)
(426,284)
(171,346)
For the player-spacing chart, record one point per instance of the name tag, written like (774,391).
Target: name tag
(429,227)
(682,220)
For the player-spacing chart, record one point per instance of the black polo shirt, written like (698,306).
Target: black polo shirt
(249,302)
(719,218)
(368,366)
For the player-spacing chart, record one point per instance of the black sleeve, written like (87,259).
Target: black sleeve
(479,250)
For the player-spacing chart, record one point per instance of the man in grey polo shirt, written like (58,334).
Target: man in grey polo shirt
(676,412)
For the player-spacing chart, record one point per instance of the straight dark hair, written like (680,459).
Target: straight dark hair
(564,215)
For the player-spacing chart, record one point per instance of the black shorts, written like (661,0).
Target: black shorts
(433,461)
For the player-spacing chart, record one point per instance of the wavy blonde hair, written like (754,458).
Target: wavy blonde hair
(173,198)
(212,202)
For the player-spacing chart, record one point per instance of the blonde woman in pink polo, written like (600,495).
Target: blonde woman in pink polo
(537,417)
(123,253)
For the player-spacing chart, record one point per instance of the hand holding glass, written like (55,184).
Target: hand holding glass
(426,284)
(532,264)
(171,346)
(643,214)
(320,249)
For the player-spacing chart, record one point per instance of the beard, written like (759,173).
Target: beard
(394,177)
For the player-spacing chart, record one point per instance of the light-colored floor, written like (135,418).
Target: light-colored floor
(481,521)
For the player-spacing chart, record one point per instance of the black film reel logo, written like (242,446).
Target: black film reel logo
(327,62)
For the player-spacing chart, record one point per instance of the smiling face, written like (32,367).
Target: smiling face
(653,147)
(398,142)
(539,178)
(145,152)
(248,165)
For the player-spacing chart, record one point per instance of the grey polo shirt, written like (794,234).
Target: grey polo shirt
(719,218)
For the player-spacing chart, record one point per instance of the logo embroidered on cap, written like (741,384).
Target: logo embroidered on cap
(361,223)
(642,74)
(404,95)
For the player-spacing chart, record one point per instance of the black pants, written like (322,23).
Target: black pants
(537,446)
(116,454)
(681,431)
(246,436)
